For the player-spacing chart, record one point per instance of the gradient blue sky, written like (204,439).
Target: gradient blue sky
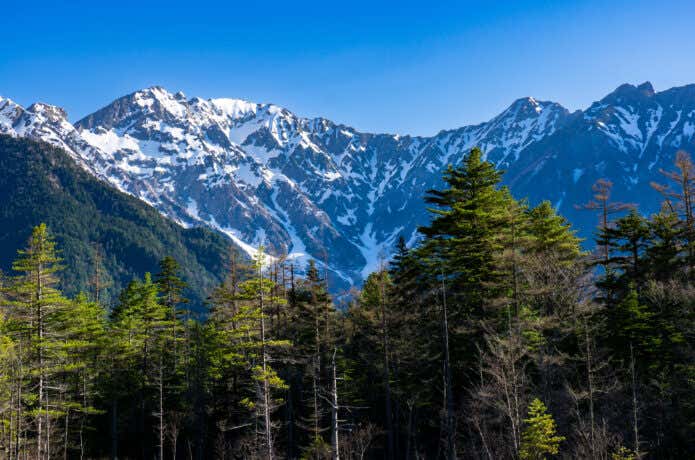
(403,67)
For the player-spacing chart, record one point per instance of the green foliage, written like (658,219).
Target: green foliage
(170,285)
(41,183)
(666,241)
(628,240)
(241,346)
(539,437)
(319,449)
(7,358)
(53,344)
(468,216)
(551,232)
(630,323)
(623,454)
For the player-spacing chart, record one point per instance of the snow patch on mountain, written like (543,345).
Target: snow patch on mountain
(311,188)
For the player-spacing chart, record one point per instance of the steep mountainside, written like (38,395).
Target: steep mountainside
(41,183)
(261,174)
(628,137)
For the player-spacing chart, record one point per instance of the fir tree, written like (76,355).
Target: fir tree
(602,203)
(539,437)
(666,243)
(461,240)
(680,198)
(171,289)
(38,304)
(629,238)
(8,407)
(84,339)
(247,345)
(630,324)
(552,234)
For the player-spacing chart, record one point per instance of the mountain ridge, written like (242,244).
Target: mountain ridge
(310,187)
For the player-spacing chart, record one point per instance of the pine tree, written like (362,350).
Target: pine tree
(605,207)
(374,297)
(415,339)
(460,254)
(84,337)
(629,238)
(245,343)
(681,200)
(630,324)
(551,262)
(461,240)
(8,404)
(55,346)
(539,437)
(407,274)
(552,234)
(666,245)
(141,326)
(37,305)
(310,328)
(171,288)
(177,358)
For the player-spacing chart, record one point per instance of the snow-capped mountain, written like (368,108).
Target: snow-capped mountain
(314,188)
(48,123)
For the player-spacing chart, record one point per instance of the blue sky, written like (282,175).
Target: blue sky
(401,67)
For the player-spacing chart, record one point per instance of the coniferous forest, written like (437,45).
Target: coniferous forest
(498,335)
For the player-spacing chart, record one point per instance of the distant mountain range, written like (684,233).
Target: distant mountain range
(260,174)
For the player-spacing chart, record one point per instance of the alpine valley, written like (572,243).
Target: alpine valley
(261,174)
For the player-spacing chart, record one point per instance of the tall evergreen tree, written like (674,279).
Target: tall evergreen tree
(142,333)
(665,245)
(679,196)
(246,344)
(84,338)
(37,304)
(602,203)
(551,233)
(539,438)
(461,240)
(629,238)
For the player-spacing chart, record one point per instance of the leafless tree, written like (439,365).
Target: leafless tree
(356,442)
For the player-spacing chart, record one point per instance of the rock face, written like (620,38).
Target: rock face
(314,188)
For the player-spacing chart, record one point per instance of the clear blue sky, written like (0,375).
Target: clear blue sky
(403,67)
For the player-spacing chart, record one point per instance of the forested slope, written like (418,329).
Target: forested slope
(41,183)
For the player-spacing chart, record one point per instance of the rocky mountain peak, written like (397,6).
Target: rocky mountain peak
(51,112)
(9,112)
(314,188)
(525,105)
(646,89)
(629,94)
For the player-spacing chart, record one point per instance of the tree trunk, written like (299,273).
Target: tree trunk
(590,383)
(65,438)
(114,429)
(161,406)
(335,446)
(387,371)
(39,325)
(450,435)
(635,408)
(264,359)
